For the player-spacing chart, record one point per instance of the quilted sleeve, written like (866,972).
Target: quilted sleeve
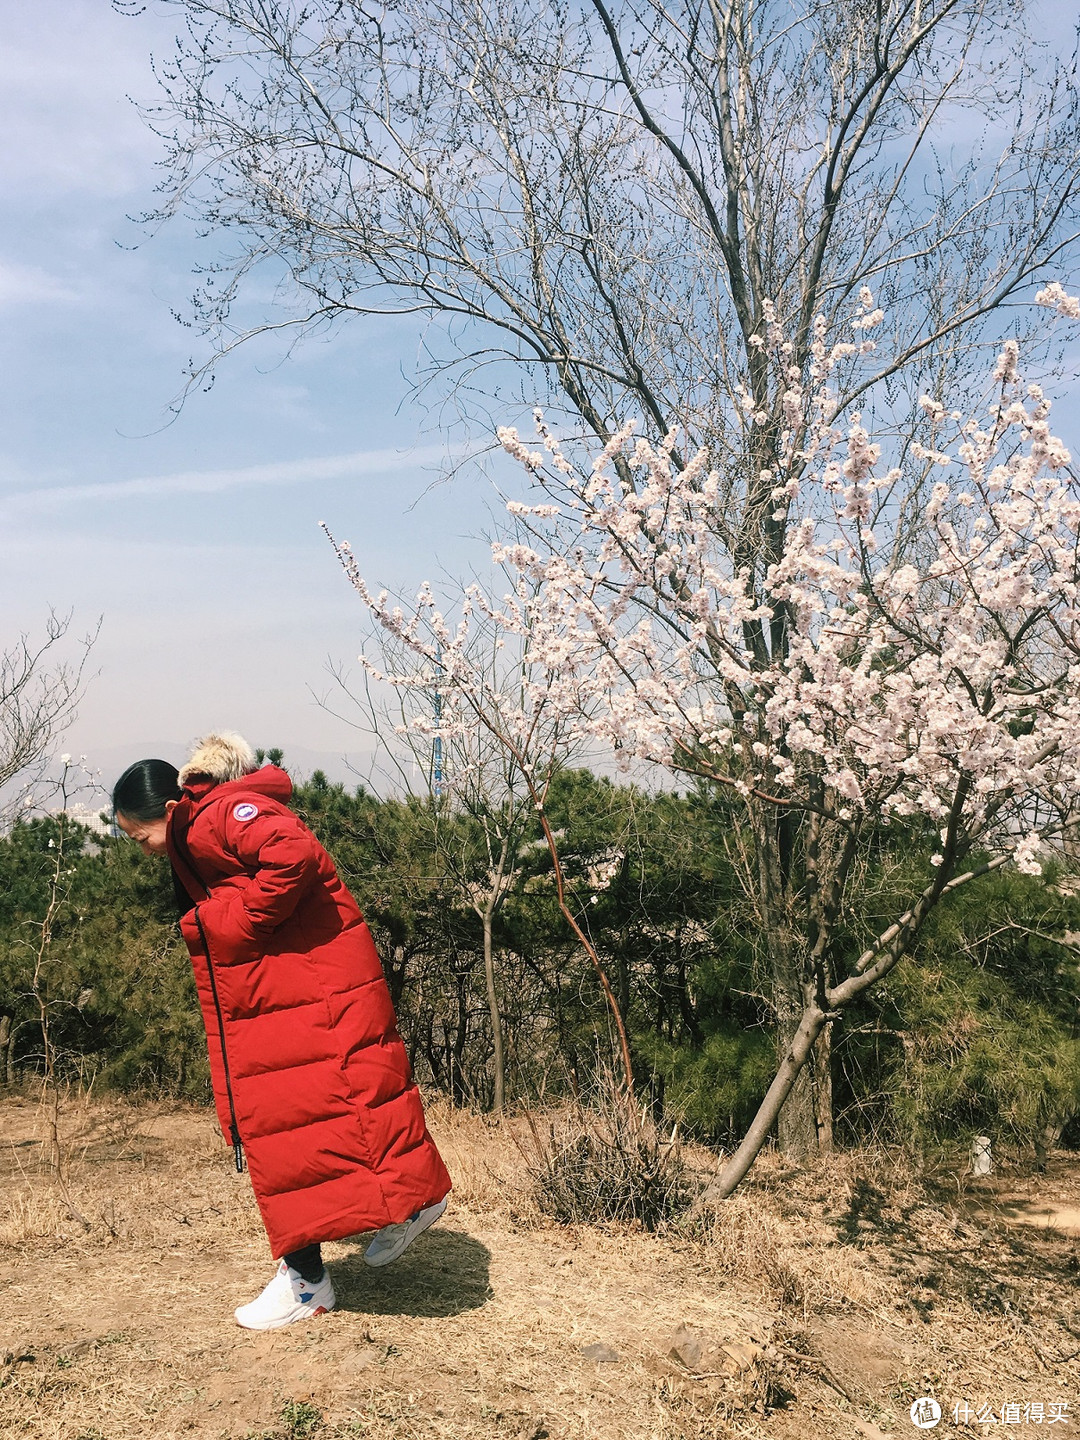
(283,854)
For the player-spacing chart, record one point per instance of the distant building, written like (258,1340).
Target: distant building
(94,818)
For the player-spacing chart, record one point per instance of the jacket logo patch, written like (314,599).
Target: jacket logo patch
(246,811)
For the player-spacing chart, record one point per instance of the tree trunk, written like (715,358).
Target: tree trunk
(823,1096)
(1045,1140)
(396,965)
(793,993)
(458,1080)
(624,977)
(794,1063)
(498,1060)
(805,1124)
(796,1126)
(797,1123)
(7,1050)
(686,1006)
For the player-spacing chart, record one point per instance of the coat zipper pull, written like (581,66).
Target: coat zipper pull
(238,1152)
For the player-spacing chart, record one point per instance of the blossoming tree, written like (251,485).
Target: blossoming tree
(503,737)
(887,668)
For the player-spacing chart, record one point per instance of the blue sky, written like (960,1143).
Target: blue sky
(195,538)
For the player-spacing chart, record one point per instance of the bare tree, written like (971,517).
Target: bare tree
(495,805)
(476,803)
(494,711)
(44,1004)
(604,205)
(612,194)
(39,696)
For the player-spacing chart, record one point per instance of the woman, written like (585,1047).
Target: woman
(309,1073)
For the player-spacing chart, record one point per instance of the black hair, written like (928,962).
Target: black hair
(144,788)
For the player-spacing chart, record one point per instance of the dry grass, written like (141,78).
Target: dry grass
(816,1304)
(606,1161)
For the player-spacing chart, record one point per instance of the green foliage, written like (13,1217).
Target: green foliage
(300,1419)
(116,977)
(714,1088)
(976,1032)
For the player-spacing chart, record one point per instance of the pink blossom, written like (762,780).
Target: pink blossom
(940,680)
(1055,298)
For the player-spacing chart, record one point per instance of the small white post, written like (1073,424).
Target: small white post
(981,1162)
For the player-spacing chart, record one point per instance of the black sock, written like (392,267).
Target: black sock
(306,1262)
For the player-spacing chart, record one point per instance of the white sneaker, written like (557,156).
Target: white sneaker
(287,1298)
(393,1240)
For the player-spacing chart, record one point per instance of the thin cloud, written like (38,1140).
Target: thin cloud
(27,284)
(66,69)
(211,482)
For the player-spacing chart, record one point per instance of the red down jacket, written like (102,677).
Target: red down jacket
(308,1069)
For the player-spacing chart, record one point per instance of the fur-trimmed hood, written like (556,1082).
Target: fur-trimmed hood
(219,756)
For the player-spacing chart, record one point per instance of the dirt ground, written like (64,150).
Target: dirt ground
(819,1304)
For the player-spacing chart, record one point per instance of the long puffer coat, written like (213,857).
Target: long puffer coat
(309,1073)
